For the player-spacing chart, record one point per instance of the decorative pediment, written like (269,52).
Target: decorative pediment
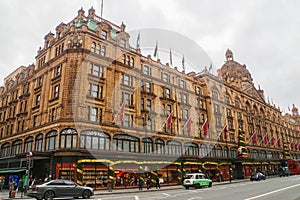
(253,92)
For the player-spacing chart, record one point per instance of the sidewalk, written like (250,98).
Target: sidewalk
(4,193)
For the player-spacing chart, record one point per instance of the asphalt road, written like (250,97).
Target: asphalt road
(286,188)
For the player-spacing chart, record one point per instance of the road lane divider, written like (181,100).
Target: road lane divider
(268,193)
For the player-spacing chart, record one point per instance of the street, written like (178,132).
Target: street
(272,188)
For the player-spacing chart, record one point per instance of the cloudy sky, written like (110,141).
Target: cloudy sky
(263,34)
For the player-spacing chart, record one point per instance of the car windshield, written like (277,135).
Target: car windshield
(189,176)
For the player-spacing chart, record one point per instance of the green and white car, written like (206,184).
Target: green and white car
(197,180)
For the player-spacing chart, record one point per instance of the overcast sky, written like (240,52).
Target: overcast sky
(263,34)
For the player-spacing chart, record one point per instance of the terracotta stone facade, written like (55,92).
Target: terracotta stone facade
(91,102)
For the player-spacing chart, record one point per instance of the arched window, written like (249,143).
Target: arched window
(147,145)
(191,149)
(131,61)
(28,144)
(126,143)
(226,152)
(39,142)
(215,95)
(219,151)
(51,140)
(174,148)
(203,150)
(68,138)
(93,47)
(212,151)
(127,60)
(233,152)
(94,140)
(103,51)
(5,150)
(124,59)
(98,49)
(159,146)
(16,147)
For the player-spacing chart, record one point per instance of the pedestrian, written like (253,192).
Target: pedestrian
(148,181)
(109,184)
(140,183)
(11,193)
(157,184)
(2,179)
(21,187)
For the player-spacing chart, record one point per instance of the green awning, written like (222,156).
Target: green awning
(11,170)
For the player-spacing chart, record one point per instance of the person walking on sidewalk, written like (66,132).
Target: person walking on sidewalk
(109,184)
(148,181)
(21,187)
(11,193)
(140,183)
(157,184)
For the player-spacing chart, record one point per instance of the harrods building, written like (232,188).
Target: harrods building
(93,107)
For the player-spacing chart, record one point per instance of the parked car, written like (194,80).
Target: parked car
(59,188)
(257,176)
(196,180)
(284,171)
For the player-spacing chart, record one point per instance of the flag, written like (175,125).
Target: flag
(156,49)
(205,128)
(210,68)
(188,125)
(225,132)
(292,145)
(169,121)
(298,146)
(219,72)
(138,41)
(254,137)
(183,67)
(171,60)
(272,140)
(265,139)
(278,142)
(121,114)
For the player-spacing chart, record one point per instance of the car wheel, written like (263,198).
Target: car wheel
(49,195)
(210,184)
(186,187)
(86,194)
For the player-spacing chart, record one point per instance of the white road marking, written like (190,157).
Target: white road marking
(195,198)
(268,193)
(165,194)
(136,198)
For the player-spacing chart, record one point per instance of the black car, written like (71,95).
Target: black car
(257,177)
(59,188)
(284,171)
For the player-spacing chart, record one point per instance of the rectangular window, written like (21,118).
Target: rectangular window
(126,121)
(127,99)
(127,79)
(52,118)
(198,90)
(37,100)
(103,35)
(57,71)
(148,104)
(94,114)
(34,120)
(166,77)
(142,104)
(182,84)
(148,87)
(56,91)
(96,70)
(95,90)
(123,43)
(146,70)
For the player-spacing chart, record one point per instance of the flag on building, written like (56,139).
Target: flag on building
(169,121)
(265,139)
(156,49)
(188,126)
(171,59)
(138,41)
(254,137)
(205,128)
(278,142)
(121,114)
(225,132)
(183,62)
(272,140)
